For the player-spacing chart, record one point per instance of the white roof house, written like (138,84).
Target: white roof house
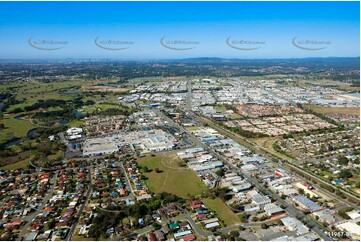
(350,227)
(294,224)
(354,214)
(212,225)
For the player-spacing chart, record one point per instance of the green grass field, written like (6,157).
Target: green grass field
(34,91)
(19,105)
(179,182)
(220,108)
(100,107)
(59,155)
(326,110)
(18,165)
(76,123)
(18,128)
(224,213)
(192,128)
(266,142)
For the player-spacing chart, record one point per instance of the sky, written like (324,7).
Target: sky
(244,30)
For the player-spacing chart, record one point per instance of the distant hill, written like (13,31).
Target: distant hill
(353,62)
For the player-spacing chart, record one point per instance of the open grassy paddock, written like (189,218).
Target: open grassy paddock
(266,142)
(180,182)
(327,110)
(224,213)
(17,165)
(101,107)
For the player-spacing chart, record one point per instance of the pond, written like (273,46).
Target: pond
(78,114)
(70,91)
(12,142)
(109,85)
(31,134)
(63,122)
(20,117)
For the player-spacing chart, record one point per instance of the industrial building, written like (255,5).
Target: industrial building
(99,146)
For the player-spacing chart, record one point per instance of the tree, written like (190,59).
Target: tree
(345,174)
(145,169)
(340,194)
(234,233)
(300,191)
(156,225)
(327,187)
(220,172)
(343,212)
(342,160)
(264,226)
(17,110)
(264,217)
(243,217)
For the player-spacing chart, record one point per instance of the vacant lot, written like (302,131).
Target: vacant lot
(224,213)
(179,181)
(266,142)
(101,107)
(326,110)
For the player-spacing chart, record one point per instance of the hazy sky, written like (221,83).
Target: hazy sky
(273,25)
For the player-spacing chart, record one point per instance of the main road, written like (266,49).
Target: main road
(289,209)
(271,155)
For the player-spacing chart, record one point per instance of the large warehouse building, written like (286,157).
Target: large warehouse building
(99,146)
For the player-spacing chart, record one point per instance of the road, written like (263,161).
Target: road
(31,217)
(191,136)
(271,155)
(289,209)
(127,181)
(18,176)
(329,194)
(185,216)
(73,226)
(189,95)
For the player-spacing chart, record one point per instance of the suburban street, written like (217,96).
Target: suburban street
(47,197)
(271,155)
(78,215)
(289,208)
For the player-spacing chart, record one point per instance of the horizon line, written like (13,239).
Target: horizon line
(165,59)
